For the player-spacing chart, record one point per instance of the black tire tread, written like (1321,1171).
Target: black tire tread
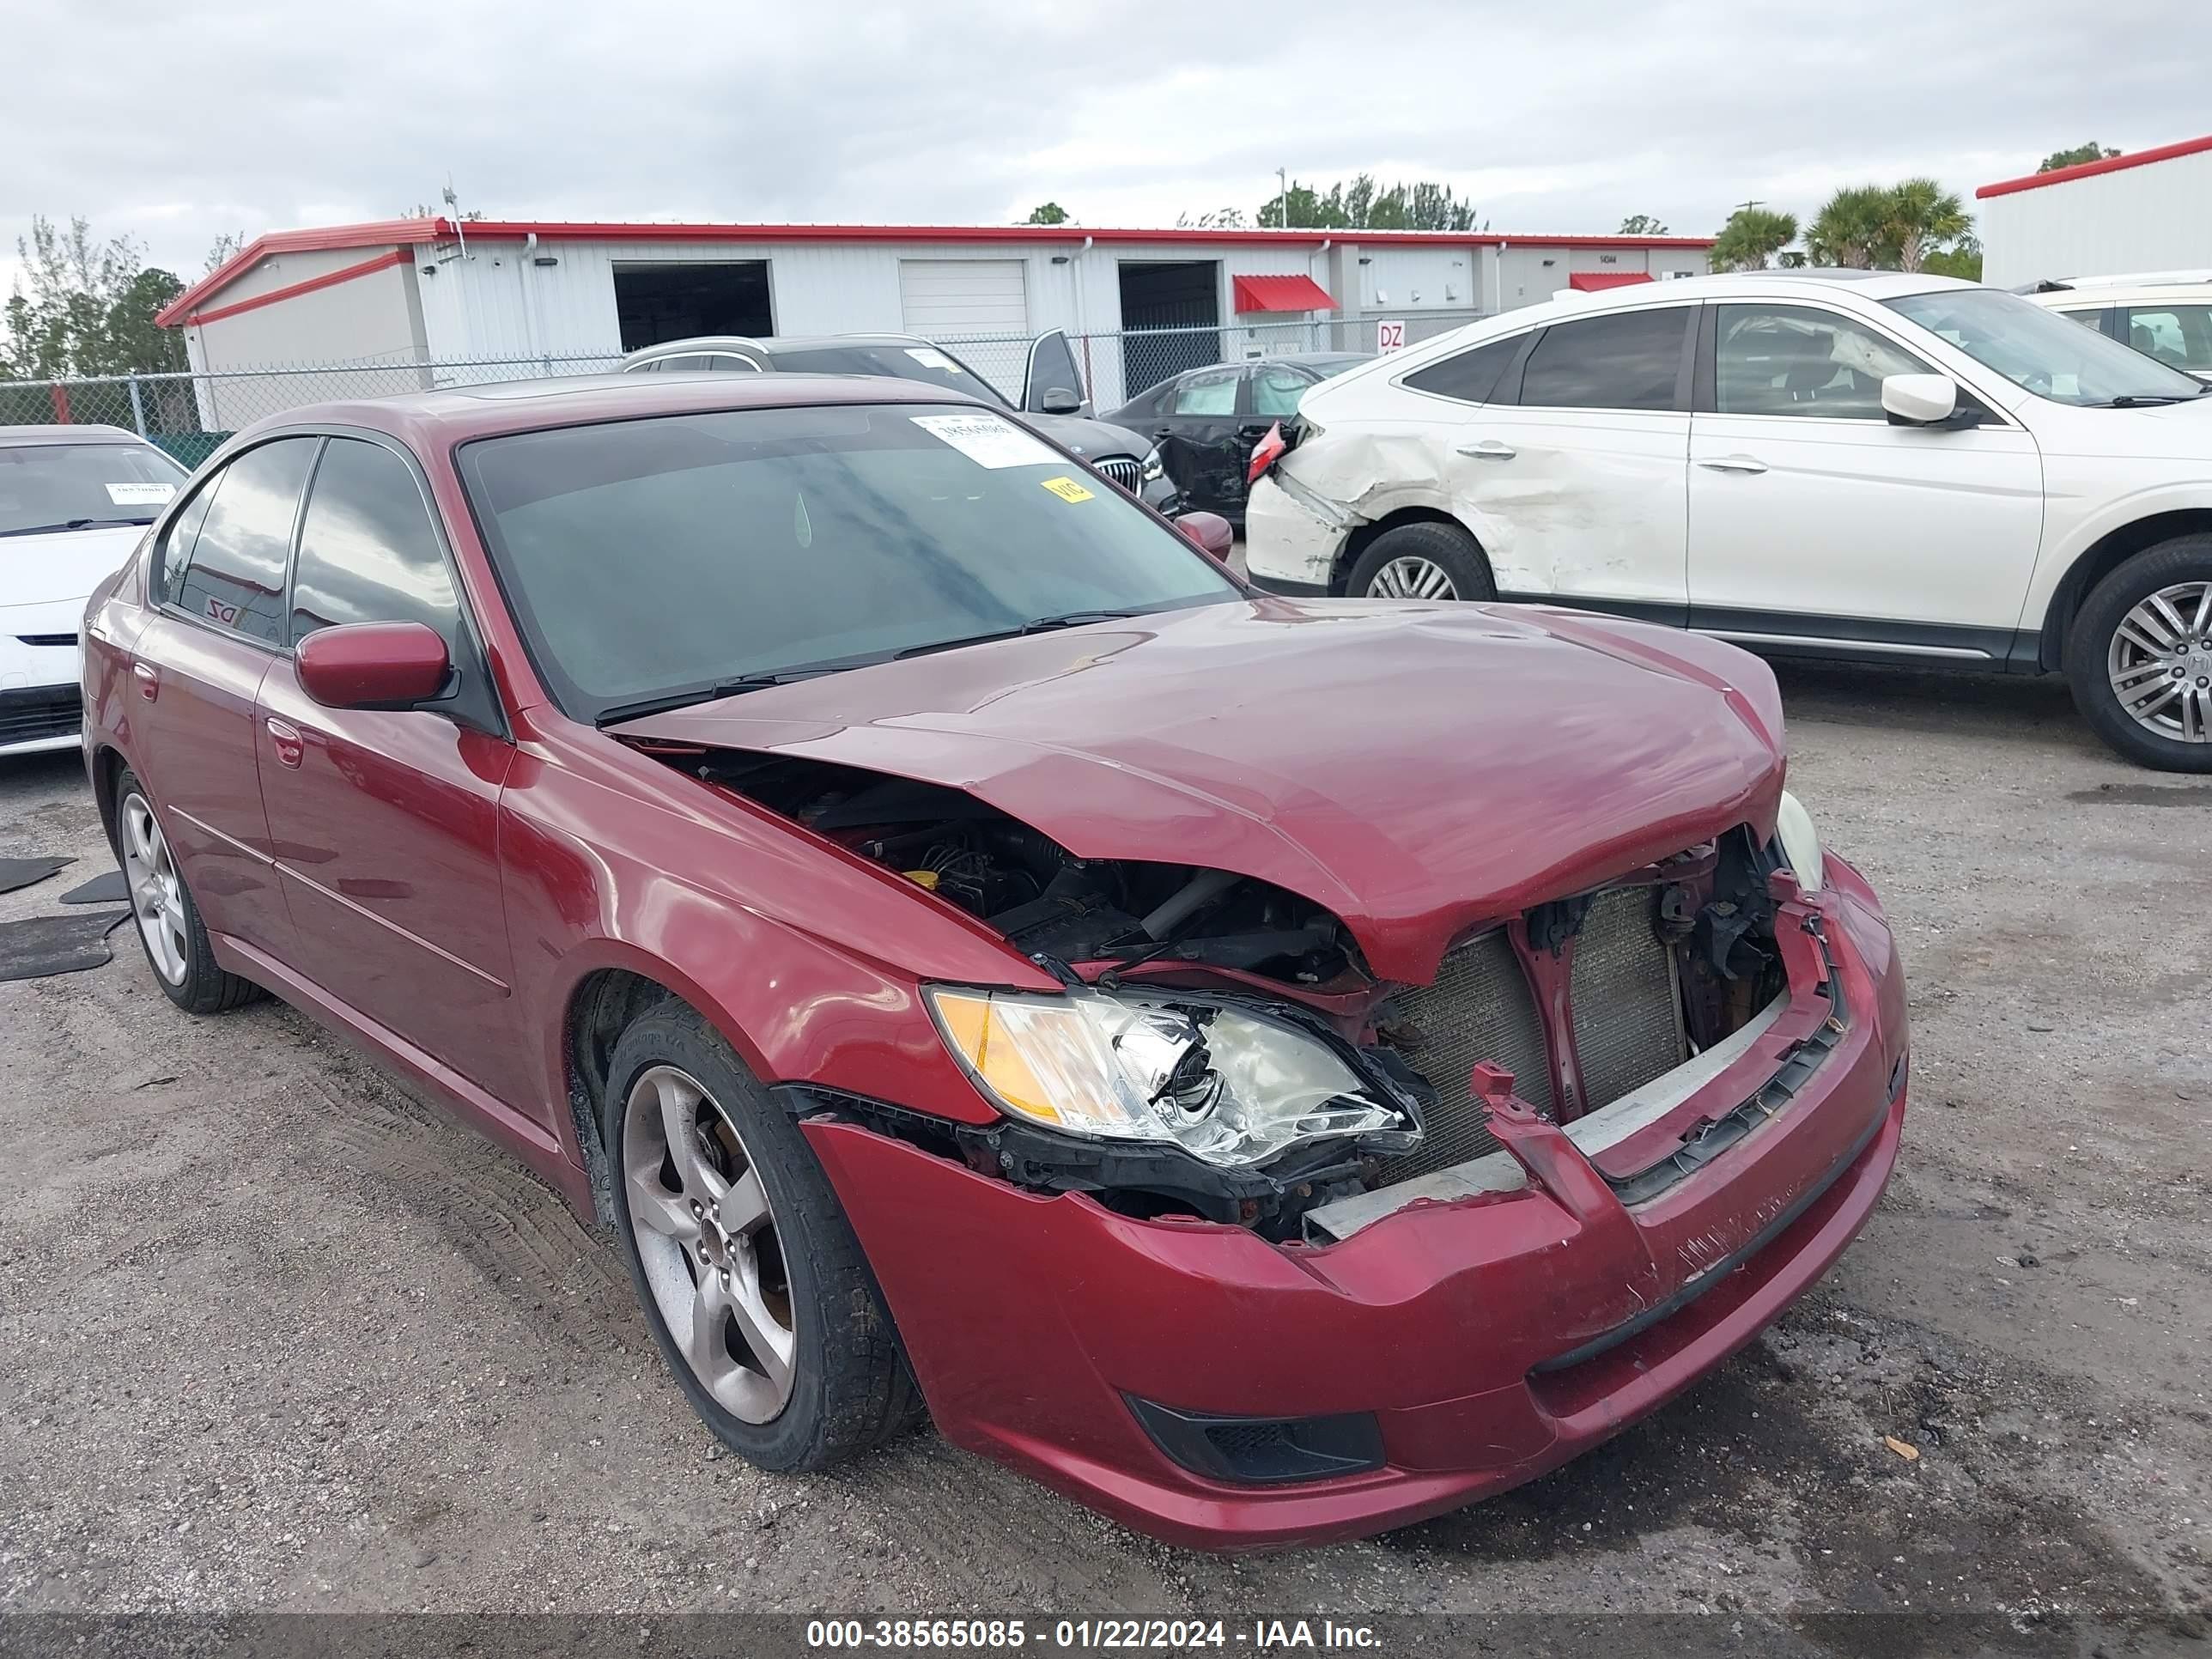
(2183,558)
(209,988)
(868,1393)
(1443,544)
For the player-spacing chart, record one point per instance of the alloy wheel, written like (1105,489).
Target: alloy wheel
(157,896)
(2159,662)
(1411,578)
(707,1236)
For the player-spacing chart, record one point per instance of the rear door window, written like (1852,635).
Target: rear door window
(1629,360)
(2180,336)
(234,574)
(1276,391)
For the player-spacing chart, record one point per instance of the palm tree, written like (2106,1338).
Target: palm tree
(1923,217)
(1752,237)
(1853,229)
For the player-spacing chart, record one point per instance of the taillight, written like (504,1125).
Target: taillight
(1265,453)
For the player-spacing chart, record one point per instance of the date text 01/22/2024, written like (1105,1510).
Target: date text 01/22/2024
(1006,1635)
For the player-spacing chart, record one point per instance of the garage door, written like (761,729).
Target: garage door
(945,298)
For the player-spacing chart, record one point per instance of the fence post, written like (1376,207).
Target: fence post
(137,406)
(60,395)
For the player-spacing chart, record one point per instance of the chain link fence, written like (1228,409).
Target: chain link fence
(189,414)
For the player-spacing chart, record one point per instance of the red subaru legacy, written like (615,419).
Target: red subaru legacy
(1271,1070)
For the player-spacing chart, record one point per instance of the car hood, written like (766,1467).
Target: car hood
(63,564)
(1088,438)
(1415,769)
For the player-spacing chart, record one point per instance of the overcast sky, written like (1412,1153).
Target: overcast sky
(178,123)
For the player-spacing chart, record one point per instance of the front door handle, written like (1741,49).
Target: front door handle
(150,682)
(1489,449)
(291,748)
(1732,464)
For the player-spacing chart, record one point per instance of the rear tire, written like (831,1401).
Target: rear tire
(1425,561)
(755,1288)
(162,912)
(2139,657)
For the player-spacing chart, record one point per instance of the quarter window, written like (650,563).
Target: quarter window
(368,552)
(1470,376)
(234,573)
(1629,360)
(1793,360)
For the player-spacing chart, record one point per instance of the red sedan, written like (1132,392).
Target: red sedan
(1271,1070)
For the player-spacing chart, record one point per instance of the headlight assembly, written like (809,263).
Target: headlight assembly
(1800,843)
(1154,468)
(1228,1086)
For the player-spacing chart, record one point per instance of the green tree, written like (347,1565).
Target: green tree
(1642,224)
(224,247)
(1923,217)
(1361,203)
(1222,218)
(1962,260)
(1047,213)
(1752,239)
(83,307)
(1855,228)
(2091,151)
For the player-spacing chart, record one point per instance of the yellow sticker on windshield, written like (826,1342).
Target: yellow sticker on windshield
(1068,490)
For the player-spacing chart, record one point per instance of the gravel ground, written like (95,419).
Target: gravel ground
(276,1334)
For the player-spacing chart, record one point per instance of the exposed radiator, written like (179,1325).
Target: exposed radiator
(1628,1025)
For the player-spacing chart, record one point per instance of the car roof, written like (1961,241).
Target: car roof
(87,433)
(2093,292)
(770,343)
(433,420)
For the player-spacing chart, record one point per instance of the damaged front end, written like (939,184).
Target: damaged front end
(1220,1048)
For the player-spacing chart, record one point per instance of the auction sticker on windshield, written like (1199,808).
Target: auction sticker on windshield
(987,440)
(141,494)
(1068,490)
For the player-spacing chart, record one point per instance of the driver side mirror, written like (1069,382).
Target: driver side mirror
(391,665)
(1210,531)
(1059,400)
(1925,400)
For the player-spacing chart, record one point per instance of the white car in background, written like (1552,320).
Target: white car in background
(2165,315)
(1843,464)
(73,501)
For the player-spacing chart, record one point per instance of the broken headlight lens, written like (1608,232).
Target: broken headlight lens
(1228,1086)
(1153,470)
(1800,843)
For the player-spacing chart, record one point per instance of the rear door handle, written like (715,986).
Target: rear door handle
(1732,464)
(150,682)
(1489,449)
(284,735)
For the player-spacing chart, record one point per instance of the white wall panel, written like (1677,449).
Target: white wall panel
(2157,217)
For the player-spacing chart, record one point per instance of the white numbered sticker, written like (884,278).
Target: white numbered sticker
(141,494)
(987,440)
(931,358)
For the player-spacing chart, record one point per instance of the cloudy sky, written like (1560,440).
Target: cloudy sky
(179,122)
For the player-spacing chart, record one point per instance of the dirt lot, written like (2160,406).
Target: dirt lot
(274,1333)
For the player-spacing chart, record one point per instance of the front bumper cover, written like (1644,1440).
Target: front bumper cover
(1489,1340)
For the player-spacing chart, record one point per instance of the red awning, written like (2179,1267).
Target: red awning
(1589,281)
(1281,294)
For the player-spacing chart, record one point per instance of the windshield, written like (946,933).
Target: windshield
(2051,355)
(925,363)
(649,559)
(65,486)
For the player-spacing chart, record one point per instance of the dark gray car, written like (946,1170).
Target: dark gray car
(1052,390)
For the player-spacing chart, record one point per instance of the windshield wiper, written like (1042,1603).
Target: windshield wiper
(70,524)
(1035,625)
(2155,400)
(729,688)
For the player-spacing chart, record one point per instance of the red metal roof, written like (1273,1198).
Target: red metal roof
(1280,294)
(1589,281)
(2084,169)
(393,233)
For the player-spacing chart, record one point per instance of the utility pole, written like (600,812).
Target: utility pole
(1283,199)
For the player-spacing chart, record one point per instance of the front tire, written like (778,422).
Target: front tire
(754,1286)
(169,925)
(1425,561)
(2139,657)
